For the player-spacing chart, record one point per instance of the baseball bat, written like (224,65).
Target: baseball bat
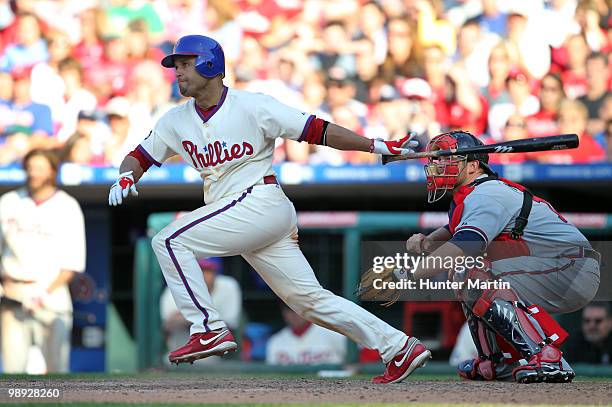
(561,142)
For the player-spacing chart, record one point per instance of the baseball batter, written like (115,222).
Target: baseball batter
(42,245)
(549,265)
(228,136)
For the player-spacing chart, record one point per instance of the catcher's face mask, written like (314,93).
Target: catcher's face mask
(443,172)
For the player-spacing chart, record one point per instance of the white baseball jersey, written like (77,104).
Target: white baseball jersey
(232,145)
(314,347)
(38,240)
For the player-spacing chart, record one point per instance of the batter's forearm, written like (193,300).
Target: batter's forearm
(342,138)
(130,163)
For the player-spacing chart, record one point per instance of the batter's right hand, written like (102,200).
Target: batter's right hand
(119,190)
(405,145)
(417,243)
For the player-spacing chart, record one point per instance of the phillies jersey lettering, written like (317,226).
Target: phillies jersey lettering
(232,148)
(217,153)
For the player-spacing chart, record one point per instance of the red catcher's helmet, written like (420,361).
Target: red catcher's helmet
(442,172)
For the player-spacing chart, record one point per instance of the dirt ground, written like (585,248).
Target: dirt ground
(313,391)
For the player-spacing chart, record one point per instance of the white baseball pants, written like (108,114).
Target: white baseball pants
(20,330)
(261,225)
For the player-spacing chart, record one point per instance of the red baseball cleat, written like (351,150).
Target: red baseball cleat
(412,356)
(204,344)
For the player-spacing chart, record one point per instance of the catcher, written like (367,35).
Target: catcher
(548,263)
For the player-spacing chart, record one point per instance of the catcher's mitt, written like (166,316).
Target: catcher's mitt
(367,292)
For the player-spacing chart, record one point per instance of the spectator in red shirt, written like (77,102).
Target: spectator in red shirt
(457,104)
(90,51)
(110,78)
(546,121)
(260,17)
(573,116)
(575,75)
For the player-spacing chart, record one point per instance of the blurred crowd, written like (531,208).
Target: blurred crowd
(84,76)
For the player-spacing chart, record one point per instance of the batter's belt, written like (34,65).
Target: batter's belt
(10,280)
(268,179)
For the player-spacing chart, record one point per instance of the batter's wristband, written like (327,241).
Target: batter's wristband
(324,136)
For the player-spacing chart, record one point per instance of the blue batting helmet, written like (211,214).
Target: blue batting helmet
(210,60)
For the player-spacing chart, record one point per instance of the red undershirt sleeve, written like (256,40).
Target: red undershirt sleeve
(314,131)
(145,162)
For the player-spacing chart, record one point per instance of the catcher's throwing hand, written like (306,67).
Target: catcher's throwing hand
(119,190)
(367,292)
(404,145)
(418,243)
